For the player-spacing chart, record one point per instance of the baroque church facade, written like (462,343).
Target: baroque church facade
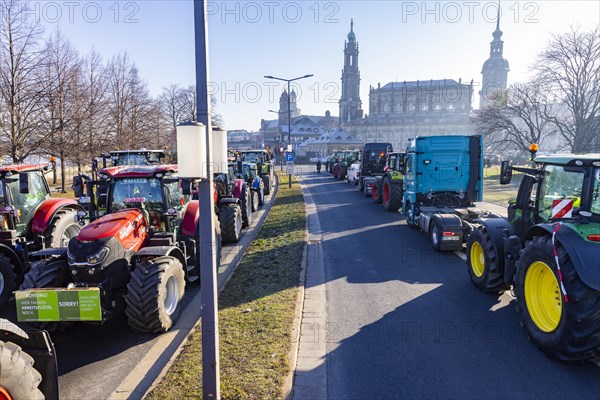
(399,111)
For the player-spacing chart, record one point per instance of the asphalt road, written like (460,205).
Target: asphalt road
(405,321)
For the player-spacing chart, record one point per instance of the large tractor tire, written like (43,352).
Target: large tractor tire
(564,330)
(376,192)
(230,219)
(261,196)
(19,380)
(392,195)
(154,294)
(62,228)
(8,280)
(361,186)
(482,264)
(49,273)
(246,207)
(267,181)
(254,200)
(343,172)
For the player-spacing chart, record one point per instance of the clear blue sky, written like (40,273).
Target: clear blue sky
(397,41)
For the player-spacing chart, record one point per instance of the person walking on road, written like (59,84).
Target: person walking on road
(318,166)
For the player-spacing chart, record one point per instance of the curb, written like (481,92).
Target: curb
(157,361)
(293,354)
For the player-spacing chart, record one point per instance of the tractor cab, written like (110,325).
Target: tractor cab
(564,187)
(119,158)
(23,188)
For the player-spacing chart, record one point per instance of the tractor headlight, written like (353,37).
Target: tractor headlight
(98,257)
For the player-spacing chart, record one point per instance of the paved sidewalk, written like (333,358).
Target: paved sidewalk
(310,377)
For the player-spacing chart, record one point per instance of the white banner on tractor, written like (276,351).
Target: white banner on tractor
(562,208)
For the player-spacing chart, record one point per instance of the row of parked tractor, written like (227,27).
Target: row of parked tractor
(546,250)
(129,241)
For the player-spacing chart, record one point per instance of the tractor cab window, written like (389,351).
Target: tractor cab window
(249,172)
(130,192)
(595,203)
(27,203)
(231,173)
(253,157)
(559,192)
(175,196)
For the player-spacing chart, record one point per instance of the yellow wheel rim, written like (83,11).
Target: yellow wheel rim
(477,259)
(542,296)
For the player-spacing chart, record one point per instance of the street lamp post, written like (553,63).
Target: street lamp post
(280,141)
(289,81)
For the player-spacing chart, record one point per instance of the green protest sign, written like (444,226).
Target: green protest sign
(53,305)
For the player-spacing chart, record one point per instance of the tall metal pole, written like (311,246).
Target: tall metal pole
(207,251)
(289,127)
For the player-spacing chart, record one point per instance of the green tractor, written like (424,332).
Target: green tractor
(341,161)
(386,189)
(548,251)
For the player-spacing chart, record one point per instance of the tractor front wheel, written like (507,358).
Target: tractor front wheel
(482,264)
(254,201)
(565,326)
(19,379)
(267,181)
(154,294)
(246,209)
(62,228)
(8,279)
(230,219)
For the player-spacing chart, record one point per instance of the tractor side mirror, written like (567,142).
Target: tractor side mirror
(24,183)
(505,173)
(78,186)
(186,186)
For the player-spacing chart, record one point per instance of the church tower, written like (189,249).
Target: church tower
(283,106)
(495,70)
(350,104)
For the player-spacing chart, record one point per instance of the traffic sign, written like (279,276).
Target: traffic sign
(289,157)
(289,168)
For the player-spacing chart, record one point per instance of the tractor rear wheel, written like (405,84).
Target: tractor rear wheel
(230,219)
(49,273)
(154,294)
(254,201)
(360,185)
(267,181)
(376,192)
(482,264)
(8,279)
(246,209)
(392,195)
(564,326)
(19,379)
(62,228)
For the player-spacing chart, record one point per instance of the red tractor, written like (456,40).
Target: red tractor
(29,221)
(143,250)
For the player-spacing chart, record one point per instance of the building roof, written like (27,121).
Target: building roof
(334,136)
(430,83)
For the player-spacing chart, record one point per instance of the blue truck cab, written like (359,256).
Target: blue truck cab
(443,178)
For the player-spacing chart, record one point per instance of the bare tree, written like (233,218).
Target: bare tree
(518,119)
(569,68)
(92,124)
(63,73)
(21,82)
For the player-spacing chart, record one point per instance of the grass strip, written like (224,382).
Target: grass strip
(256,312)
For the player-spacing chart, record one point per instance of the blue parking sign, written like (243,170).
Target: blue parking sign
(289,157)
